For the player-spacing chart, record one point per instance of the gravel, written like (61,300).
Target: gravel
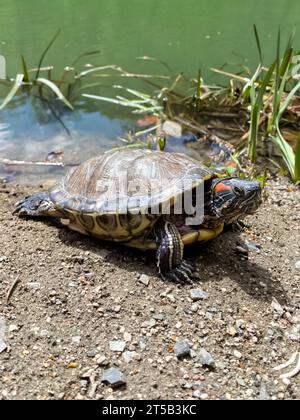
(91,289)
(117,345)
(205,358)
(113,377)
(144,279)
(182,349)
(198,294)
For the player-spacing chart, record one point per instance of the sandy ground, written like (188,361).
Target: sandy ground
(76,295)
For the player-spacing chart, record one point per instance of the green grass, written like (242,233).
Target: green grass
(270,99)
(31,81)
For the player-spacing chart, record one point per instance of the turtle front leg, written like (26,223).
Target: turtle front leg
(169,256)
(36,205)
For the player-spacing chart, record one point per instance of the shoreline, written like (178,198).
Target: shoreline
(76,295)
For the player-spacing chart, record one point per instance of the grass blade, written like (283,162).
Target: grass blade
(13,91)
(257,105)
(258,43)
(45,52)
(56,90)
(25,70)
(84,55)
(250,83)
(130,104)
(287,153)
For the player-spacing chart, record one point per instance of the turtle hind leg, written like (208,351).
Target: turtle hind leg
(170,263)
(36,205)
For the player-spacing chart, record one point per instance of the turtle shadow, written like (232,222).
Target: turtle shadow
(214,260)
(133,260)
(218,260)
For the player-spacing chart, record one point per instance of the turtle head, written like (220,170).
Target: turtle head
(233,198)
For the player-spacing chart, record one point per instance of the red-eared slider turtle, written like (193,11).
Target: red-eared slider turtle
(133,196)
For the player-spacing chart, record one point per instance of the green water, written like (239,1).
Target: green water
(186,34)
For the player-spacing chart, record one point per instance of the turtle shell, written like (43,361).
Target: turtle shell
(111,194)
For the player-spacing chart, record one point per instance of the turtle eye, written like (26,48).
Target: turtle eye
(238,191)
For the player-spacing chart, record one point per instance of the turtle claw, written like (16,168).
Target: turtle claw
(181,274)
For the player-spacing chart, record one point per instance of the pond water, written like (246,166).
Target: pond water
(185,34)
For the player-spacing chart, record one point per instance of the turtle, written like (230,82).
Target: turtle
(138,197)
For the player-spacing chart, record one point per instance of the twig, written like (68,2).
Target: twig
(287,364)
(12,287)
(26,163)
(190,125)
(285,376)
(94,386)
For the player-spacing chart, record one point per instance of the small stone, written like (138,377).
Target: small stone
(193,354)
(142,343)
(269,336)
(241,382)
(182,348)
(129,356)
(127,337)
(186,385)
(144,279)
(278,309)
(72,365)
(3,258)
(91,353)
(117,309)
(149,324)
(252,246)
(102,360)
(197,394)
(172,129)
(231,331)
(297,265)
(205,358)
(76,339)
(198,294)
(33,285)
(263,393)
(250,392)
(13,328)
(113,377)
(159,317)
(117,346)
(294,334)
(3,345)
(237,354)
(194,307)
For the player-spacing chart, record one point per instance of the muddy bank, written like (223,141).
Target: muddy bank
(76,295)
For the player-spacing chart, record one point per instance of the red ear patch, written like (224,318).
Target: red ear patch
(222,187)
